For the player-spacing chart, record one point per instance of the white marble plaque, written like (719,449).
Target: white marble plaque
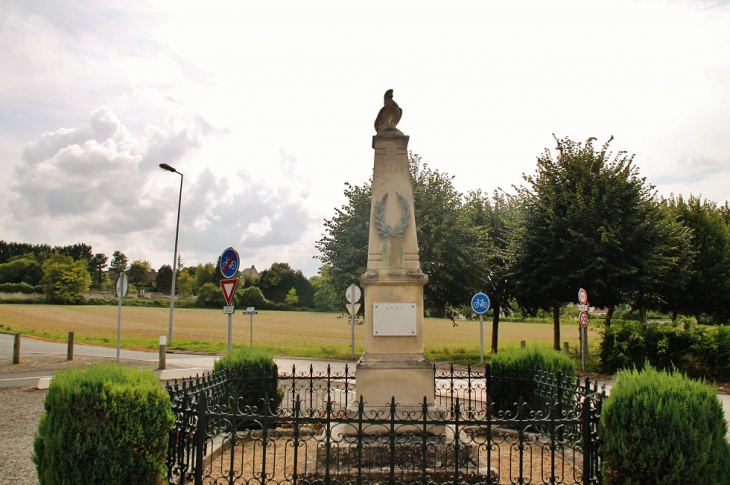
(394,319)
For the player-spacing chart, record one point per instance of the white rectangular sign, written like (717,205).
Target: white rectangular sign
(394,319)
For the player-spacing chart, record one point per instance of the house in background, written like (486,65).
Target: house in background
(251,272)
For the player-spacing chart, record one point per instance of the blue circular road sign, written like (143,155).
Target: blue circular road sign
(229,263)
(480,303)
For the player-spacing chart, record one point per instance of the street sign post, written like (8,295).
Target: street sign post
(583,322)
(353,295)
(480,305)
(250,311)
(121,287)
(228,286)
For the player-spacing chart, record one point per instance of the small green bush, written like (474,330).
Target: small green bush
(663,428)
(103,424)
(517,367)
(253,377)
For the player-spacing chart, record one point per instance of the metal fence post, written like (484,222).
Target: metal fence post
(200,438)
(587,444)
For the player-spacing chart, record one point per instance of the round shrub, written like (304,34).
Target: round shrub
(663,428)
(513,375)
(253,378)
(103,424)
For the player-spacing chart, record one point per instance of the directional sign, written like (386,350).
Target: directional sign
(353,293)
(582,297)
(229,262)
(122,285)
(250,311)
(480,303)
(583,319)
(229,288)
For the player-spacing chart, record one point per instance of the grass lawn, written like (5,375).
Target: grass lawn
(295,334)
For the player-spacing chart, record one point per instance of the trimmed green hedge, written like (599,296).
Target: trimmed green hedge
(253,377)
(20,288)
(103,424)
(700,351)
(662,428)
(519,365)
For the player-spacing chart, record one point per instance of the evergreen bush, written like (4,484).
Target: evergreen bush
(253,378)
(103,424)
(513,375)
(663,428)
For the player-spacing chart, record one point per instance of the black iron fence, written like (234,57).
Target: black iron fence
(315,431)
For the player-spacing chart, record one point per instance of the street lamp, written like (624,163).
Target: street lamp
(165,166)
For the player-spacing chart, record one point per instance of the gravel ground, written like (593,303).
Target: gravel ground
(21,409)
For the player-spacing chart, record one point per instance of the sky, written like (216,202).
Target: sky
(267,109)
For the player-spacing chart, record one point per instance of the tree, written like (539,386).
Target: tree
(708,287)
(118,264)
(203,274)
(448,244)
(21,269)
(325,298)
(13,249)
(184,285)
(139,273)
(291,297)
(495,219)
(211,296)
(587,221)
(77,251)
(276,282)
(96,267)
(64,279)
(164,279)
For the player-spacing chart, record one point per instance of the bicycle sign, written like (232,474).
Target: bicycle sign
(229,263)
(480,303)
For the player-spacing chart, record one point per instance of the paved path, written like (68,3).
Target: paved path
(192,362)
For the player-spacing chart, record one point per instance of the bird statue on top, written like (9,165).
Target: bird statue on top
(389,116)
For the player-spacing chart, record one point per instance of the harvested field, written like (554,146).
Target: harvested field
(304,334)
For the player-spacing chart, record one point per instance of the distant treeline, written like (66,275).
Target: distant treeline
(10,250)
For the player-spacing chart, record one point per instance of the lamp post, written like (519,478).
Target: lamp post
(165,166)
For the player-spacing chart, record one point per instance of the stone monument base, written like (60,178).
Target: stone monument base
(407,377)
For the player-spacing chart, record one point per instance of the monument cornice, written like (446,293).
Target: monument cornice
(392,277)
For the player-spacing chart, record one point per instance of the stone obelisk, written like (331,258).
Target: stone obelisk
(394,363)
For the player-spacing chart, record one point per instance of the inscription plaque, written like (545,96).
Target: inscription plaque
(394,319)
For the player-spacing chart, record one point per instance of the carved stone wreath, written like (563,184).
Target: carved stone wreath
(385,231)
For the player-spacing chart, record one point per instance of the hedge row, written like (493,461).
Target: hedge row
(700,351)
(20,288)
(517,367)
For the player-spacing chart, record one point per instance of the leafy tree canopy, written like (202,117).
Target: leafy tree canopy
(164,279)
(64,279)
(118,264)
